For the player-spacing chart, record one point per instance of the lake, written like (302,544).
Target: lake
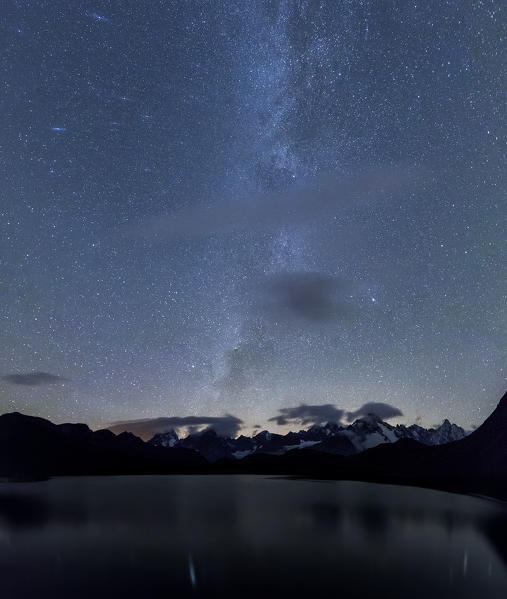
(247,536)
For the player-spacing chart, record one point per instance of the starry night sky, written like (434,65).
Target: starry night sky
(213,207)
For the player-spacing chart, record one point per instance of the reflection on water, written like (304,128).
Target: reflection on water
(246,536)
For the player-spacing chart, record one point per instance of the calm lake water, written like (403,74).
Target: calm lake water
(246,536)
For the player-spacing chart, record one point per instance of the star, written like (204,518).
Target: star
(209,210)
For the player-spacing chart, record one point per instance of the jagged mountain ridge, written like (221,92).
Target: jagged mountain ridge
(32,447)
(167,439)
(364,433)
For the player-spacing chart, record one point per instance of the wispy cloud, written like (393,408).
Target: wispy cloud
(227,425)
(308,415)
(383,410)
(300,205)
(33,379)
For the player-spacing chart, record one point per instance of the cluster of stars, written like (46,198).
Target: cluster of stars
(114,120)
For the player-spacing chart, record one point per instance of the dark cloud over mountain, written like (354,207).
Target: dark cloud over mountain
(227,425)
(382,410)
(306,415)
(320,414)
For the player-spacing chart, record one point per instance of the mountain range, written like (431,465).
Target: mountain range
(364,433)
(476,463)
(34,448)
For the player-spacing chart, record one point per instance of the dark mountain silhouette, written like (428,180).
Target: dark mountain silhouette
(208,444)
(32,447)
(477,463)
(484,452)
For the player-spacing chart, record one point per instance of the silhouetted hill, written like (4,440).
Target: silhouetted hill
(34,447)
(484,452)
(491,438)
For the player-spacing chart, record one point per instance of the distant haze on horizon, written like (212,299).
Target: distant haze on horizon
(226,210)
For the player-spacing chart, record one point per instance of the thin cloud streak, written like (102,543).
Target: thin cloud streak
(34,379)
(227,425)
(265,213)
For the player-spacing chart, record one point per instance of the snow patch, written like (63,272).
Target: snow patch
(389,434)
(300,445)
(241,454)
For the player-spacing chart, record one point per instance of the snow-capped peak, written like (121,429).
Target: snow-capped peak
(167,439)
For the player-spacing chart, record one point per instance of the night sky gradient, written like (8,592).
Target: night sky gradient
(235,207)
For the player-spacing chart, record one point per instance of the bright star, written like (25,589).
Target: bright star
(96,17)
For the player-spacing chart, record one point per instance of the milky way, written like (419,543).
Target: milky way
(214,208)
